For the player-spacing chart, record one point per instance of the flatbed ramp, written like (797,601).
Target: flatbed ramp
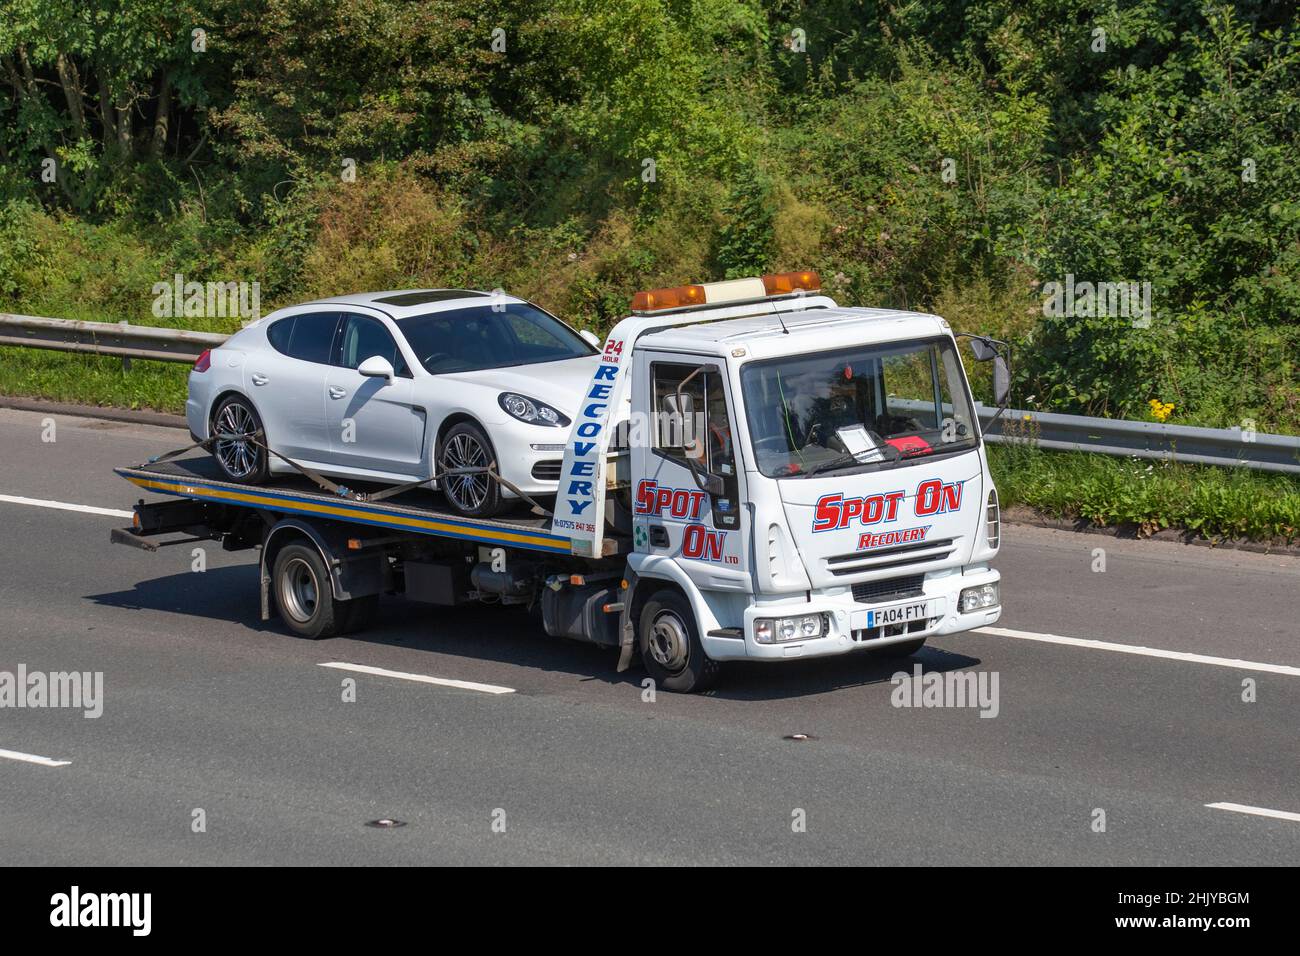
(419,511)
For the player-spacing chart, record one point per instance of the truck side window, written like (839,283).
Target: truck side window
(704,437)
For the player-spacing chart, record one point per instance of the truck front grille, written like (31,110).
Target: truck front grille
(877,592)
(898,557)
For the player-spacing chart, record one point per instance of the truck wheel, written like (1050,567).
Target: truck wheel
(670,645)
(906,649)
(303,596)
(239,460)
(473,495)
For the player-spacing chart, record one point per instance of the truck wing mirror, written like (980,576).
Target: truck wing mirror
(982,348)
(1001,381)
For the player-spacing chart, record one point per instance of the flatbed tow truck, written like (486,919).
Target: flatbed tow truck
(755,473)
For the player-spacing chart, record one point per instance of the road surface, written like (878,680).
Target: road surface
(1108,747)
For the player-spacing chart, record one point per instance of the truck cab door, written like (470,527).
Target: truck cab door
(687,430)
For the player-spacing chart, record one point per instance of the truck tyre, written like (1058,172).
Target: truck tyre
(906,649)
(303,596)
(670,645)
(467,446)
(240,461)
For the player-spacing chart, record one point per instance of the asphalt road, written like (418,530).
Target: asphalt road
(206,708)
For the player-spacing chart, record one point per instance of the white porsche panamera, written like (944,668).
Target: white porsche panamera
(393,387)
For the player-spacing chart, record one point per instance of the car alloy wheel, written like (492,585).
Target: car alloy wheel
(467,492)
(239,457)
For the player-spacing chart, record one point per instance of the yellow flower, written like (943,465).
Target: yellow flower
(1161,410)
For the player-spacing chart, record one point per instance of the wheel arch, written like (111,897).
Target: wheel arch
(350,576)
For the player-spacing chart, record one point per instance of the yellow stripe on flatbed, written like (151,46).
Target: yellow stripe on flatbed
(180,487)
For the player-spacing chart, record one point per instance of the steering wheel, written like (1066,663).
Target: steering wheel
(433,358)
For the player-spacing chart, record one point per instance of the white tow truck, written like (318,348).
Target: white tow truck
(754,473)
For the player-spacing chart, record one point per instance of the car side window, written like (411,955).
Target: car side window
(308,337)
(279,333)
(363,338)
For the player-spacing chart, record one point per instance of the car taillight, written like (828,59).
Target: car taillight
(203,362)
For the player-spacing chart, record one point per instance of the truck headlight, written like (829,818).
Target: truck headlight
(530,410)
(976,598)
(777,630)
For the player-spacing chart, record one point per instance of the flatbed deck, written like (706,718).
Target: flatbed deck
(420,511)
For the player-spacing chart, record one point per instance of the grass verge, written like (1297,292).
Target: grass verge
(93,379)
(1214,503)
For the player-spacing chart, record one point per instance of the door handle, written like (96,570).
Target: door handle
(259,379)
(658,536)
(337,392)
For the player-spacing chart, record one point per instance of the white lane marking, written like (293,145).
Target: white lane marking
(421,678)
(1256,811)
(66,506)
(33,758)
(1144,651)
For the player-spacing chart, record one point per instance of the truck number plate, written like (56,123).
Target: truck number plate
(902,614)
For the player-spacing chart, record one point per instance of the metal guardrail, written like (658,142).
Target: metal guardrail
(1228,447)
(106,338)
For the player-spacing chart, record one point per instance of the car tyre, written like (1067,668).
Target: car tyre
(239,460)
(466,445)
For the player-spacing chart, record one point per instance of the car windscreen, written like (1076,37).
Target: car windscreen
(491,336)
(866,407)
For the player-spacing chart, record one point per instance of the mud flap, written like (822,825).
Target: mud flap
(626,626)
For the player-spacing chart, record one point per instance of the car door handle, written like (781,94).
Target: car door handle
(337,392)
(259,378)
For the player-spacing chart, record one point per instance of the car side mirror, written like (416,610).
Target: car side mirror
(591,338)
(376,367)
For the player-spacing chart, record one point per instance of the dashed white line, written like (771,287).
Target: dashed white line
(1256,811)
(421,678)
(66,506)
(1144,651)
(33,758)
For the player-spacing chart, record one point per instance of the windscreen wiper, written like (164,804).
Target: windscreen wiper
(845,460)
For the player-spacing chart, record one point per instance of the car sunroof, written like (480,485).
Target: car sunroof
(432,295)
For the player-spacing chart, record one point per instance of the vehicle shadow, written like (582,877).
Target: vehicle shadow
(512,635)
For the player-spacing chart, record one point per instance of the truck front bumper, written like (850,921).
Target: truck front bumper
(847,630)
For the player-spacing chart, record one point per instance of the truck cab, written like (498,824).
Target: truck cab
(804,479)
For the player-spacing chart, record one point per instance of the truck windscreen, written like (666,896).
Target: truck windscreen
(860,408)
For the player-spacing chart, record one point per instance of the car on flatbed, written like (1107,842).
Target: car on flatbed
(396,387)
